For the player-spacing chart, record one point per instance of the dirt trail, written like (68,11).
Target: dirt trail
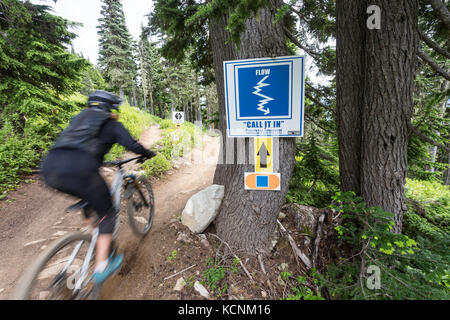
(34,215)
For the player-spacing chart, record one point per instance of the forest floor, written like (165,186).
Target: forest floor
(34,215)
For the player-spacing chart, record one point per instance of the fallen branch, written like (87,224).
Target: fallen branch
(166,278)
(296,250)
(261,263)
(234,255)
(317,240)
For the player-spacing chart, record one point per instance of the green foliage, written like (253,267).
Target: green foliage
(411,268)
(116,56)
(156,166)
(167,124)
(17,156)
(38,79)
(92,80)
(135,121)
(316,177)
(302,292)
(172,256)
(213,274)
(428,213)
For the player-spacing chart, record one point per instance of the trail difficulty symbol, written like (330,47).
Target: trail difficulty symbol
(266,99)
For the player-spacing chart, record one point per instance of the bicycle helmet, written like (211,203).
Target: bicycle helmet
(104,100)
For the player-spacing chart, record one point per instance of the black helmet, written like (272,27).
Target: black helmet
(104,100)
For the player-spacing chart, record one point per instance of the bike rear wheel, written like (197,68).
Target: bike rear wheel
(52,277)
(141,207)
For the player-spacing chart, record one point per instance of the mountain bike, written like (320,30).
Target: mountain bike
(63,270)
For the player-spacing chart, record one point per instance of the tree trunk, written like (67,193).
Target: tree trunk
(379,73)
(391,57)
(351,26)
(247,219)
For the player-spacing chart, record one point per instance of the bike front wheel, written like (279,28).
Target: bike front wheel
(141,207)
(53,275)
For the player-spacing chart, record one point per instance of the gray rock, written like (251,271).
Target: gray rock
(183,237)
(202,208)
(202,290)
(179,286)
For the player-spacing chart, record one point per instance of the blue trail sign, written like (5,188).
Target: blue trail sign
(265,97)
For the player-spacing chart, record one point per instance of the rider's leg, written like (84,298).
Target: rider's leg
(76,173)
(102,251)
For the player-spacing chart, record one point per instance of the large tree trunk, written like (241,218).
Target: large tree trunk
(247,219)
(351,26)
(386,92)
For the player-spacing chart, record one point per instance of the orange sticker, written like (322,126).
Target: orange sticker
(262,181)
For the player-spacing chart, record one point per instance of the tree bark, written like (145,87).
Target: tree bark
(247,219)
(351,26)
(375,82)
(391,61)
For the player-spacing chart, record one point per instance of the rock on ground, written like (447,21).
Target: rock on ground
(180,284)
(202,208)
(202,290)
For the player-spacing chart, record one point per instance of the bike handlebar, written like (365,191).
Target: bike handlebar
(119,163)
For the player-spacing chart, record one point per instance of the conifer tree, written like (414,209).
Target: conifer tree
(116,48)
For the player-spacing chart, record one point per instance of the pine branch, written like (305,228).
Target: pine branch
(291,37)
(433,64)
(318,125)
(423,137)
(441,10)
(309,96)
(433,44)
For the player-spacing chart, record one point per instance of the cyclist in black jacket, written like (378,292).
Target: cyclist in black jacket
(72,166)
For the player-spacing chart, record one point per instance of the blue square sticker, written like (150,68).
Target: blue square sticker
(262,181)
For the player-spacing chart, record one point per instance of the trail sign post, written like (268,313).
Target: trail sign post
(178,117)
(264,98)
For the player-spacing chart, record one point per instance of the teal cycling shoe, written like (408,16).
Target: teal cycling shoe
(113,267)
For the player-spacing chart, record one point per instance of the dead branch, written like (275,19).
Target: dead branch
(433,45)
(296,250)
(240,262)
(166,278)
(291,37)
(261,263)
(422,136)
(436,67)
(317,240)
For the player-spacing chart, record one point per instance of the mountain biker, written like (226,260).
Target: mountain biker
(72,166)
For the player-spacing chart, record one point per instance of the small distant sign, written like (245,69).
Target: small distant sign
(265,97)
(178,117)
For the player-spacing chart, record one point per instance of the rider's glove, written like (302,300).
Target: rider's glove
(149,154)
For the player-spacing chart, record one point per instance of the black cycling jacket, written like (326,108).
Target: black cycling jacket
(107,133)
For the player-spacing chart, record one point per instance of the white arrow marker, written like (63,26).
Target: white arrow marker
(266,99)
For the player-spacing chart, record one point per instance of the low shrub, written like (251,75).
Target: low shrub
(156,166)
